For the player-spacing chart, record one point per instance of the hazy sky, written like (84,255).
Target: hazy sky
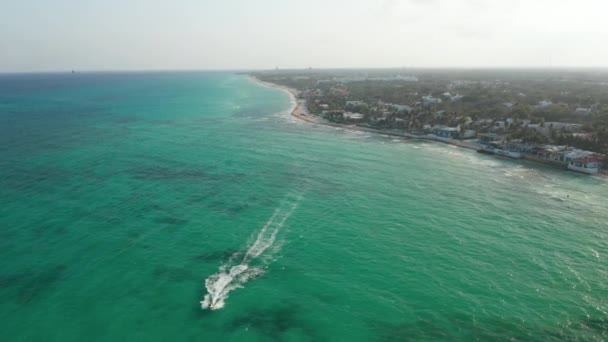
(231,34)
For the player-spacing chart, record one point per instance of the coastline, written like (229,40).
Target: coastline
(300,112)
(298,108)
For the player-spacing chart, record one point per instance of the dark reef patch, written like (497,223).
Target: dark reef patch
(26,177)
(28,286)
(274,322)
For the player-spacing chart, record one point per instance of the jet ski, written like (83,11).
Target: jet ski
(208,303)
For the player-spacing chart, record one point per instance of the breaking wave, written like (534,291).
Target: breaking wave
(241,267)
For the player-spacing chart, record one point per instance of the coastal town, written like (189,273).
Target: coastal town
(558,118)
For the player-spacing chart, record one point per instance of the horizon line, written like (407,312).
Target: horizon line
(463,68)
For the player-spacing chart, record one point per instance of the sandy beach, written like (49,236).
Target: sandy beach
(298,109)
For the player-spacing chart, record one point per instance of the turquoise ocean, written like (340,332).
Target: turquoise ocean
(126,198)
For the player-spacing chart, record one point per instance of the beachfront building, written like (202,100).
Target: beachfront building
(571,158)
(552,153)
(468,134)
(447,132)
(487,138)
(589,165)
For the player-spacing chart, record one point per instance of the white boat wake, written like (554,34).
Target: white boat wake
(242,267)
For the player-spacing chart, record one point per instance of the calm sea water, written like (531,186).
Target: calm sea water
(123,195)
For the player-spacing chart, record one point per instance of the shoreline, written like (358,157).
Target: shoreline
(298,108)
(300,112)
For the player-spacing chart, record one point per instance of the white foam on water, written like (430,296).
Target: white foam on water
(241,267)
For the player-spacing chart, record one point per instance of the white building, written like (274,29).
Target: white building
(456,97)
(468,134)
(582,111)
(399,107)
(356,103)
(429,99)
(352,116)
(447,132)
(544,103)
(566,126)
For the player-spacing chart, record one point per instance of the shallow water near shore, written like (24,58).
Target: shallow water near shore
(123,194)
